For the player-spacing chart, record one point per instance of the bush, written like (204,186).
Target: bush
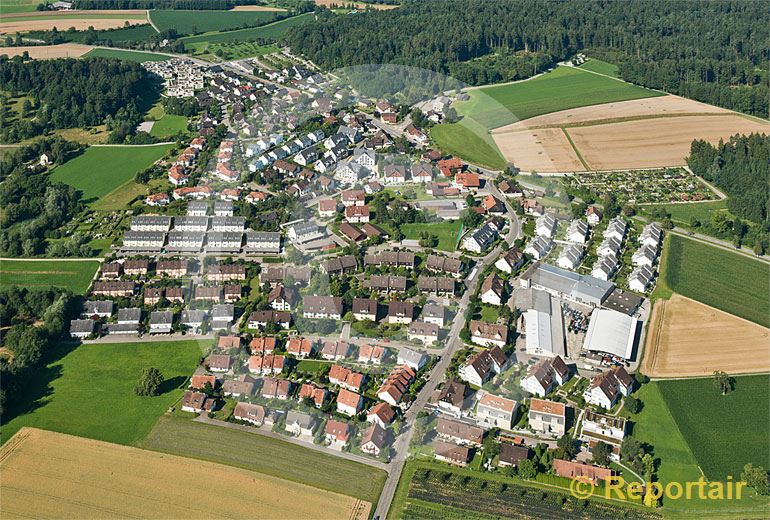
(149,382)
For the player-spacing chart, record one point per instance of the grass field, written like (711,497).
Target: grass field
(237,50)
(656,426)
(169,125)
(271,31)
(728,281)
(134,33)
(722,447)
(120,54)
(250,451)
(18,6)
(48,474)
(464,140)
(561,89)
(602,67)
(75,276)
(102,169)
(683,213)
(88,390)
(447,233)
(191,22)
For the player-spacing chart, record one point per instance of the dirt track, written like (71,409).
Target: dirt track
(52,475)
(687,338)
(47,52)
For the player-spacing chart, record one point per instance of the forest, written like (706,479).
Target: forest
(740,167)
(201,5)
(71,93)
(30,346)
(714,52)
(33,208)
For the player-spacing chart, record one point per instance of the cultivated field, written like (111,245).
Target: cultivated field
(48,52)
(271,31)
(469,141)
(687,338)
(75,276)
(48,474)
(18,6)
(654,425)
(88,390)
(189,22)
(121,54)
(655,142)
(180,436)
(722,447)
(256,8)
(728,281)
(102,169)
(641,133)
(44,21)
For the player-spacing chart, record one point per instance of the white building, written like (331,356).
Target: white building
(496,412)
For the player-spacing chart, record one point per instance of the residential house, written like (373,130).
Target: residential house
(371,354)
(578,470)
(395,386)
(496,412)
(484,365)
(492,290)
(570,257)
(608,387)
(547,417)
(543,376)
(451,453)
(251,413)
(374,440)
(480,239)
(381,413)
(510,261)
(577,232)
(82,329)
(300,423)
(593,215)
(365,309)
(337,433)
(412,358)
(349,403)
(459,432)
(98,308)
(427,333)
(400,312)
(282,298)
(512,454)
(322,307)
(452,398)
(197,402)
(300,347)
(335,350)
(434,313)
(245,385)
(161,321)
(276,388)
(488,334)
(317,395)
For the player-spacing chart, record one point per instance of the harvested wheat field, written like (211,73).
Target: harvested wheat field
(544,150)
(642,133)
(52,475)
(62,24)
(74,14)
(48,52)
(650,143)
(608,112)
(687,338)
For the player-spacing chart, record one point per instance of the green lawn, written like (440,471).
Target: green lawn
(602,67)
(655,425)
(468,141)
(311,365)
(236,50)
(88,390)
(190,22)
(447,233)
(723,447)
(271,31)
(728,281)
(265,455)
(102,169)
(75,276)
(169,125)
(682,214)
(490,313)
(121,54)
(18,6)
(561,89)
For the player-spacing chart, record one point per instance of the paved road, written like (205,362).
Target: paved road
(264,430)
(401,445)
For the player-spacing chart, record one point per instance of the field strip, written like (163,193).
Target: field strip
(607,121)
(75,477)
(577,152)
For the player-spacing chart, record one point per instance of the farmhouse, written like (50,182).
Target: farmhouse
(573,470)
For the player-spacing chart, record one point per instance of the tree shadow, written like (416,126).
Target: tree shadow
(171,384)
(38,386)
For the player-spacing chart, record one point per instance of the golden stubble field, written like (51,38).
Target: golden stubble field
(642,133)
(48,52)
(687,338)
(53,475)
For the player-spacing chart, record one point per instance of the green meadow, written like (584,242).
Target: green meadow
(73,275)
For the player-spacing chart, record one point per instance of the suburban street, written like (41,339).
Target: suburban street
(400,450)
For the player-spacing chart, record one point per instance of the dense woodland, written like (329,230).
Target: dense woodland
(70,93)
(715,52)
(209,5)
(741,168)
(30,345)
(32,208)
